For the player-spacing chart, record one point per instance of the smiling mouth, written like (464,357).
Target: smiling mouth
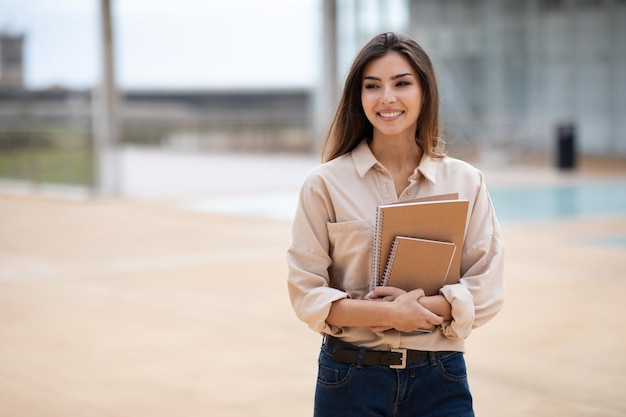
(390,115)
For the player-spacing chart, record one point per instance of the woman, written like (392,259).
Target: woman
(384,146)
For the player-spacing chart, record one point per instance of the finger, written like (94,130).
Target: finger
(418,293)
(433,318)
(384,291)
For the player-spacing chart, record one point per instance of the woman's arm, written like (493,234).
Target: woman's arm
(438,305)
(405,313)
(480,292)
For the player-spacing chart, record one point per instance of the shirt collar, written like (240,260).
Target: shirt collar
(364,160)
(428,168)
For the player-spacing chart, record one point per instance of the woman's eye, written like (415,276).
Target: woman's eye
(370,86)
(403,83)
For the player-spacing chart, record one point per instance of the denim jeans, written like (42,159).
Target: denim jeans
(427,388)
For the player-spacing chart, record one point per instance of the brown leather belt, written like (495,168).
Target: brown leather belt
(394,358)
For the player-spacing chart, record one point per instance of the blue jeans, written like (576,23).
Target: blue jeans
(427,388)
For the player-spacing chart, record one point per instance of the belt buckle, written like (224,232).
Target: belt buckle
(402,358)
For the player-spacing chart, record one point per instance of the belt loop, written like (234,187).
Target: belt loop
(433,358)
(359,361)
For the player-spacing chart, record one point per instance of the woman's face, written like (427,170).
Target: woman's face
(391,96)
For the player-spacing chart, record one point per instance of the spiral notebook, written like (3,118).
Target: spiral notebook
(441,218)
(418,263)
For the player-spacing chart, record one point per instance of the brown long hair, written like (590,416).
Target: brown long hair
(350,126)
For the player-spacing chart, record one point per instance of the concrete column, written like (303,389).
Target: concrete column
(105,118)
(326,93)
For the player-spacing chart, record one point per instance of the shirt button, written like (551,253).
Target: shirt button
(409,192)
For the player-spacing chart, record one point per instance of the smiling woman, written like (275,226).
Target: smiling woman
(391,97)
(387,351)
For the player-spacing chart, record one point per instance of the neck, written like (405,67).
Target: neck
(396,153)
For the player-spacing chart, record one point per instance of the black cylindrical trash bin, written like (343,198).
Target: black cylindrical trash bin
(566,146)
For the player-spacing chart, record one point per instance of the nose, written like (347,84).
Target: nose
(389,96)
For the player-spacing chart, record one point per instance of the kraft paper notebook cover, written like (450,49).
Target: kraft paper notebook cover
(418,263)
(441,220)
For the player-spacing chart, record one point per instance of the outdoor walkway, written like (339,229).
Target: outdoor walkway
(138,307)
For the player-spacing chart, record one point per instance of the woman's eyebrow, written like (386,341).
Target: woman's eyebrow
(395,77)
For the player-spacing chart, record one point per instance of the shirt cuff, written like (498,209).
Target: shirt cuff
(320,301)
(463,312)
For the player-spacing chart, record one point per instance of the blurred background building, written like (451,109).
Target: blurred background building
(513,70)
(11,62)
(511,73)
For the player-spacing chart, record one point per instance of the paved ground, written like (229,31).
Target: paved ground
(134,307)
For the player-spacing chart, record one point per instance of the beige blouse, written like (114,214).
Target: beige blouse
(332,240)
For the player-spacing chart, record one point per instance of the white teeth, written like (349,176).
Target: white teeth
(394,114)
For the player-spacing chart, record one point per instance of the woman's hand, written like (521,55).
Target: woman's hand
(412,315)
(384,293)
(409,315)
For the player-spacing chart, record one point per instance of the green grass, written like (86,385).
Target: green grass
(50,157)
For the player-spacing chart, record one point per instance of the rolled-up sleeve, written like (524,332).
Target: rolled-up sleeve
(309,261)
(479,295)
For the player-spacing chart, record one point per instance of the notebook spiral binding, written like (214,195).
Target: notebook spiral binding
(377,249)
(389,266)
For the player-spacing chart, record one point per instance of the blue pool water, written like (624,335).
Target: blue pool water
(594,199)
(615,241)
